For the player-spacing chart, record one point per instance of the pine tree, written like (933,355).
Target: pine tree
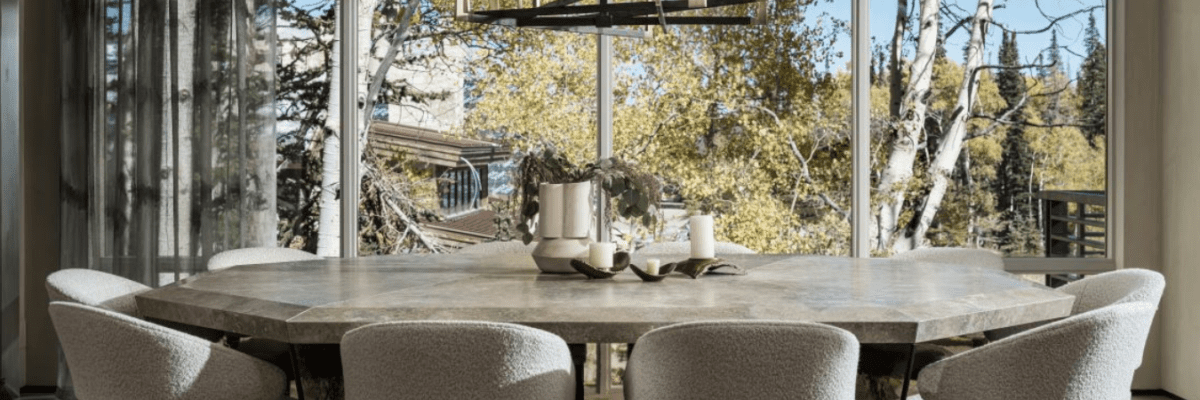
(1093,85)
(1053,61)
(1012,183)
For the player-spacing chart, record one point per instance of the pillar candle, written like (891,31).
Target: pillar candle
(652,266)
(577,210)
(550,210)
(703,244)
(600,255)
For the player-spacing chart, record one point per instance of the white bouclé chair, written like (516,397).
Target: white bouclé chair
(258,255)
(110,292)
(955,255)
(685,248)
(1101,290)
(1089,356)
(113,356)
(450,360)
(501,247)
(95,288)
(759,360)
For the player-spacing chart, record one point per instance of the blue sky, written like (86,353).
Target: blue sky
(1015,14)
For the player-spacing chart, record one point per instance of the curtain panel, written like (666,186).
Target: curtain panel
(169,134)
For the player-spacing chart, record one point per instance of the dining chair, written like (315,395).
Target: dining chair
(1088,356)
(110,292)
(257,255)
(95,288)
(432,360)
(955,255)
(685,248)
(743,360)
(499,247)
(1101,290)
(119,357)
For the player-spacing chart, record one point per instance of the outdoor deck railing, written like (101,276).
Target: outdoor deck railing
(1075,222)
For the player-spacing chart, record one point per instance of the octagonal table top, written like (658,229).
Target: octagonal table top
(878,300)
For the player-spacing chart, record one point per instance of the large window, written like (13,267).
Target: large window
(988,126)
(218,125)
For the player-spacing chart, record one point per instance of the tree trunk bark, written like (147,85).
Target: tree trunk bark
(257,95)
(329,222)
(898,172)
(951,146)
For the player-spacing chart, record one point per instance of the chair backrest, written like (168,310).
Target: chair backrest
(509,247)
(257,255)
(743,360)
(95,288)
(685,248)
(1115,287)
(115,356)
(955,255)
(1089,356)
(431,360)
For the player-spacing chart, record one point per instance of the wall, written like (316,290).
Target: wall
(41,114)
(9,200)
(1139,242)
(1180,24)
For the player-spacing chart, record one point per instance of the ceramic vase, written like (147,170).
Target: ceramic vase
(564,222)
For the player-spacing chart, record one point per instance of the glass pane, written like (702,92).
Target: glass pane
(749,123)
(307,123)
(989,134)
(425,184)
(176,119)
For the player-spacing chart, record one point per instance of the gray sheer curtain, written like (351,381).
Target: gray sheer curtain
(169,141)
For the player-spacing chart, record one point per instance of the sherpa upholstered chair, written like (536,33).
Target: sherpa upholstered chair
(110,292)
(257,255)
(502,247)
(118,357)
(95,288)
(955,255)
(1089,356)
(685,248)
(743,360)
(433,360)
(1101,290)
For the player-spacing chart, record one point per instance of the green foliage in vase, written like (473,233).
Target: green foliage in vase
(636,194)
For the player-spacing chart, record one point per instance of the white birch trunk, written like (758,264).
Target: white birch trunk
(262,222)
(329,222)
(185,70)
(951,146)
(898,173)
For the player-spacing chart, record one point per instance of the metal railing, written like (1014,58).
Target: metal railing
(1074,224)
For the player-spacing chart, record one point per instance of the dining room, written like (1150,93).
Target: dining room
(666,199)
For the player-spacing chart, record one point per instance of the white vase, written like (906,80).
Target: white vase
(550,210)
(555,255)
(577,210)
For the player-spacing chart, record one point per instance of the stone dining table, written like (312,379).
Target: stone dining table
(311,304)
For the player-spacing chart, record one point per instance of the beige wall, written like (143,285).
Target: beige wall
(40,127)
(1180,312)
(1139,242)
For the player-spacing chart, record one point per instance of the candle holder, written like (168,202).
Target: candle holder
(646,276)
(620,262)
(694,267)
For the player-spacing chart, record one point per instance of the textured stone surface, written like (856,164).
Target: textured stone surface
(879,300)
